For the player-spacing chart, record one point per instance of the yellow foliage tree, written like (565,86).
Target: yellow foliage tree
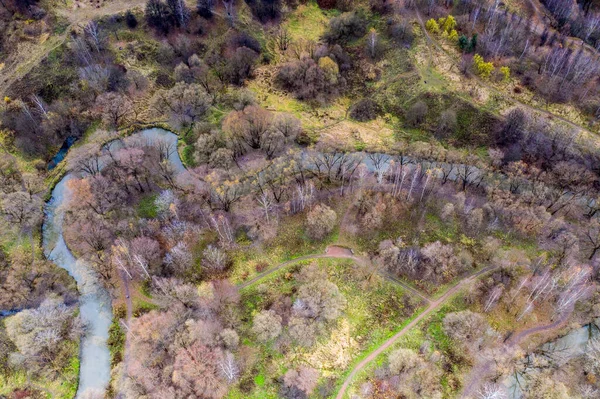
(432,26)
(483,69)
(453,35)
(505,71)
(449,24)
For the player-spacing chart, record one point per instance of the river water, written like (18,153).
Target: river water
(95,303)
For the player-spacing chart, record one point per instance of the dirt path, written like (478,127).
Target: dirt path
(407,287)
(283,265)
(434,305)
(480,372)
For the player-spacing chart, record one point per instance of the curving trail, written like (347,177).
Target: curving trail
(285,264)
(333,252)
(433,306)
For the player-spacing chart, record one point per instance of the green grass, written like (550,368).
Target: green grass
(62,385)
(116,337)
(9,383)
(141,306)
(71,377)
(147,208)
(309,21)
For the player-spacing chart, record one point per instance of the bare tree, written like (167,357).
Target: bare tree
(492,391)
(229,368)
(94,35)
(282,39)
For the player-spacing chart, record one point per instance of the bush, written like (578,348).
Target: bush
(432,26)
(514,128)
(401,33)
(299,383)
(505,71)
(266,325)
(327,4)
(320,221)
(265,10)
(131,20)
(241,65)
(447,124)
(304,78)
(482,68)
(403,360)
(447,24)
(158,15)
(243,39)
(416,114)
(205,8)
(346,27)
(466,328)
(364,110)
(309,79)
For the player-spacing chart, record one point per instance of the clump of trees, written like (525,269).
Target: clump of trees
(42,336)
(320,221)
(434,263)
(39,126)
(257,128)
(348,26)
(299,319)
(188,347)
(164,16)
(265,10)
(185,104)
(266,325)
(406,373)
(364,110)
(319,76)
(299,383)
(468,329)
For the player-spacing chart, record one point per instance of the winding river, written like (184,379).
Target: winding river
(95,302)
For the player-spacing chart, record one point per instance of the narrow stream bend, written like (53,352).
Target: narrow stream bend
(95,302)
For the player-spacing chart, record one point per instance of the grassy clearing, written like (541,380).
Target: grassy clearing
(497,96)
(147,208)
(308,21)
(375,310)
